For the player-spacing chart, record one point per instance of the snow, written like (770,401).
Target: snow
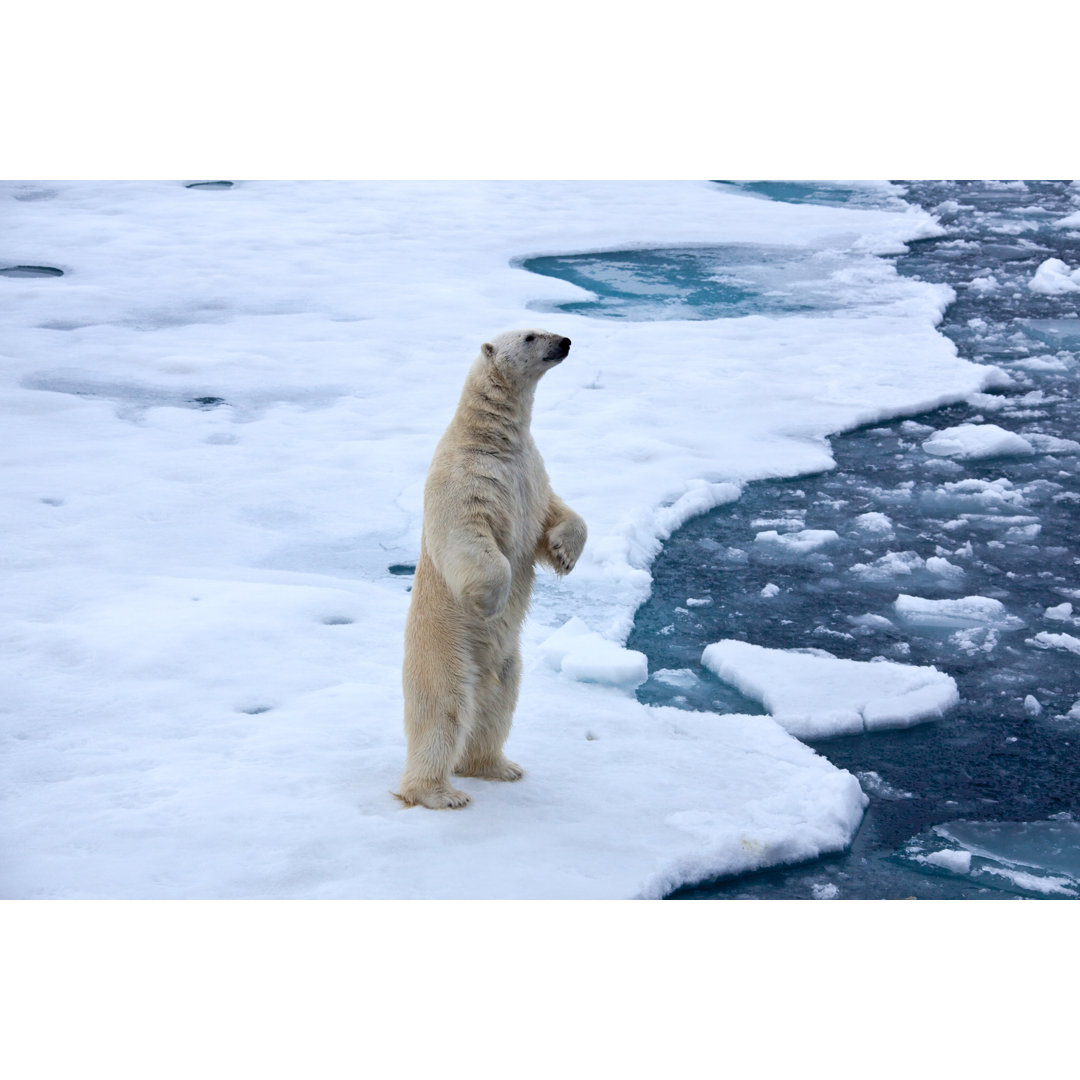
(1054,277)
(217,427)
(815,695)
(970,441)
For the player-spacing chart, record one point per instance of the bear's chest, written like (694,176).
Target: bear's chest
(522,480)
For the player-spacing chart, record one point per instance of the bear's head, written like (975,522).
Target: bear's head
(524,355)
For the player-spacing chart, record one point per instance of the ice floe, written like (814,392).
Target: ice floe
(815,695)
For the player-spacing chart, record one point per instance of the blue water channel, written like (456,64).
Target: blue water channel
(984,803)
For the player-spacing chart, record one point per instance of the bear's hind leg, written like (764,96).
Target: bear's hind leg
(436,738)
(496,696)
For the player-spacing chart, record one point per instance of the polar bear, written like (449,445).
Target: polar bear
(489,516)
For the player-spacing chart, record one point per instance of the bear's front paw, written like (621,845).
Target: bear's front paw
(566,542)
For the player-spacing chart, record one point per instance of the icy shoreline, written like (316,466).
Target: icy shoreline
(219,423)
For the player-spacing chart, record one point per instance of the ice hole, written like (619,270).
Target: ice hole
(30,271)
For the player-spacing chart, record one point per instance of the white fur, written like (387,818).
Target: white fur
(489,516)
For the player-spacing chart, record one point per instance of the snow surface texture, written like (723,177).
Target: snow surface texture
(217,425)
(815,695)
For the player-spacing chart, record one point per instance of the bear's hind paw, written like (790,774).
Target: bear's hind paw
(499,770)
(437,797)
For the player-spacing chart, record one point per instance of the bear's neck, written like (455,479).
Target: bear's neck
(495,414)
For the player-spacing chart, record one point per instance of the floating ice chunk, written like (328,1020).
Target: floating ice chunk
(1032,707)
(913,427)
(891,565)
(968,441)
(981,495)
(824,890)
(972,611)
(798,543)
(943,568)
(874,783)
(984,284)
(1053,277)
(698,601)
(818,695)
(958,862)
(975,639)
(1044,640)
(584,655)
(1051,444)
(1060,613)
(680,678)
(1070,221)
(770,590)
(870,621)
(873,522)
(1020,533)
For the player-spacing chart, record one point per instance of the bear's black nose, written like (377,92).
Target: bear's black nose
(565,345)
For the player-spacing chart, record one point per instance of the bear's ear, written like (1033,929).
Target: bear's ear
(488,350)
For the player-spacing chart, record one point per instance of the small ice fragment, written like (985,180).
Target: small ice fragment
(875,784)
(1044,640)
(824,890)
(959,862)
(893,564)
(797,542)
(1054,277)
(913,427)
(770,590)
(873,522)
(681,678)
(694,601)
(1032,706)
(971,441)
(944,568)
(967,611)
(975,639)
(1060,613)
(1023,532)
(871,621)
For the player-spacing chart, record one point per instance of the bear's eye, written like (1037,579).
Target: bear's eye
(530,337)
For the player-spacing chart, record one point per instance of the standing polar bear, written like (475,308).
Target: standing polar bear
(489,516)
